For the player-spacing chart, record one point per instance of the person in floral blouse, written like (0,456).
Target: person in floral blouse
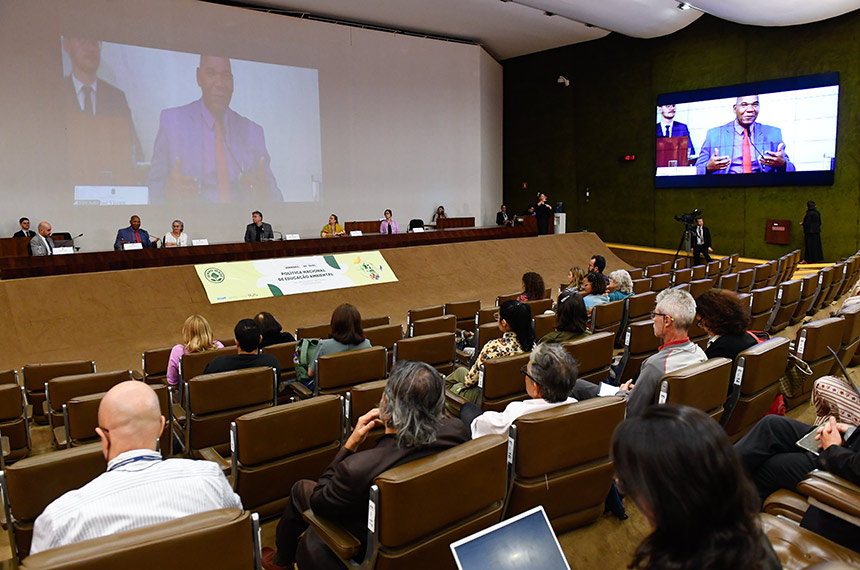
(515,322)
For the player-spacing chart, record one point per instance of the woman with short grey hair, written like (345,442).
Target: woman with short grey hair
(620,285)
(177,236)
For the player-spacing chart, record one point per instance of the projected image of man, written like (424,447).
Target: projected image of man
(206,152)
(744,146)
(102,141)
(668,127)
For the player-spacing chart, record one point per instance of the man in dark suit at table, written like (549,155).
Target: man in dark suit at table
(25,230)
(502,218)
(258,230)
(103,142)
(668,127)
(133,234)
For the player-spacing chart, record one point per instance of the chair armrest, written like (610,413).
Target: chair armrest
(29,411)
(832,493)
(300,390)
(453,403)
(209,454)
(136,375)
(45,409)
(786,504)
(336,537)
(178,414)
(4,445)
(60,437)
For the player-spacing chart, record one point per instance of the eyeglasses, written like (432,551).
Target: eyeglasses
(524,370)
(656,314)
(699,322)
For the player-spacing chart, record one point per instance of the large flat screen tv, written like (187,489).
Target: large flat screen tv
(769,133)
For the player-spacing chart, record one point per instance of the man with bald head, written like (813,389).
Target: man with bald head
(744,146)
(207,152)
(139,488)
(42,244)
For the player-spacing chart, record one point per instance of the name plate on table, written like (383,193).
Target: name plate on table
(292,236)
(203,241)
(355,233)
(65,250)
(417,230)
(130,246)
(111,195)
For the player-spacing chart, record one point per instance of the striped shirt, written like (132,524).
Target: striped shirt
(138,489)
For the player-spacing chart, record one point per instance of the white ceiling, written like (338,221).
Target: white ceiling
(510,28)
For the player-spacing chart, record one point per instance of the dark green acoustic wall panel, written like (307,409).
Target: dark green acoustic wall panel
(569,141)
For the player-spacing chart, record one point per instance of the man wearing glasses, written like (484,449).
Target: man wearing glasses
(743,146)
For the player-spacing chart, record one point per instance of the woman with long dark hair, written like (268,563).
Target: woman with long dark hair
(571,319)
(515,322)
(679,467)
(346,335)
(533,287)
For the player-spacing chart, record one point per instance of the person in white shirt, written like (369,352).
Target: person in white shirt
(549,377)
(177,237)
(139,488)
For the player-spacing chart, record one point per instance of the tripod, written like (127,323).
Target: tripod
(686,240)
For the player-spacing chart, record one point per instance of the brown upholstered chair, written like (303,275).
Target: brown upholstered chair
(8,377)
(811,344)
(337,373)
(761,305)
(561,461)
(702,386)
(808,289)
(761,274)
(225,539)
(80,418)
(319,330)
(837,275)
(849,271)
(37,375)
(540,306)
(712,269)
(485,316)
(639,306)
(825,280)
(725,265)
(728,281)
(377,321)
(285,353)
(154,365)
(502,382)
(385,336)
(850,337)
(698,335)
(543,325)
(787,297)
(358,401)
(424,313)
(653,269)
(215,400)
(699,272)
(745,280)
(485,334)
(699,286)
(275,447)
(660,281)
(191,365)
(733,261)
(755,384)
(798,548)
(32,483)
(465,313)
(437,350)
(681,276)
(642,285)
(639,344)
(607,317)
(593,355)
(474,478)
(14,427)
(433,325)
(667,266)
(636,273)
(508,297)
(61,389)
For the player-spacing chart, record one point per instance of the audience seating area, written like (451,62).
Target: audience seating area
(265,436)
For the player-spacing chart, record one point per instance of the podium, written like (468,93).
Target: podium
(778,232)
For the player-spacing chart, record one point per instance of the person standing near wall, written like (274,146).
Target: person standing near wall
(812,234)
(544,212)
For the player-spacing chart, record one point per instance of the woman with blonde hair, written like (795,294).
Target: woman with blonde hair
(196,337)
(574,279)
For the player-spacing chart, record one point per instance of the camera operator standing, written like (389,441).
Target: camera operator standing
(701,242)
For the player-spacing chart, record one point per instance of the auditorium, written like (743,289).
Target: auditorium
(399,284)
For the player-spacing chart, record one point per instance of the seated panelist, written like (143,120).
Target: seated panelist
(133,234)
(175,237)
(258,230)
(332,228)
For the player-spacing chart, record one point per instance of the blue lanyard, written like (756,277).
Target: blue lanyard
(131,460)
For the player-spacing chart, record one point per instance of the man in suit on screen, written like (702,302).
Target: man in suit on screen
(744,146)
(668,127)
(206,152)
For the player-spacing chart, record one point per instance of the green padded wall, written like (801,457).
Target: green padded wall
(569,141)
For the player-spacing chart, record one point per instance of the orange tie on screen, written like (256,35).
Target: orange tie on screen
(221,164)
(746,152)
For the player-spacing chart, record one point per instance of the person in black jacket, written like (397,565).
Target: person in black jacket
(700,244)
(725,317)
(502,218)
(544,212)
(812,234)
(272,330)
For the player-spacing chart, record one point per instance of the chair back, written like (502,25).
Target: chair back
(699,286)
(660,281)
(728,281)
(639,306)
(8,376)
(636,273)
(607,317)
(319,330)
(35,377)
(761,306)
(424,313)
(787,297)
(808,288)
(725,264)
(31,484)
(219,540)
(13,421)
(285,352)
(62,388)
(811,344)
(485,316)
(385,336)
(474,477)
(465,313)
(416,223)
(154,364)
(555,464)
(360,400)
(641,285)
(850,336)
(746,280)
(639,344)
(502,381)
(437,350)
(433,325)
(215,400)
(703,385)
(377,321)
(699,272)
(681,276)
(336,373)
(485,334)
(509,297)
(761,273)
(193,364)
(543,325)
(275,447)
(713,269)
(653,269)
(593,355)
(733,261)
(755,385)
(540,306)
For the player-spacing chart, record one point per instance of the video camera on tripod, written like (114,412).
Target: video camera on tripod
(689,219)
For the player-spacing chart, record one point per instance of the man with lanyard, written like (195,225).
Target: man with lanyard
(139,488)
(133,234)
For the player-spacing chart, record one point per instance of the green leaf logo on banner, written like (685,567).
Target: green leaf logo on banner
(275,291)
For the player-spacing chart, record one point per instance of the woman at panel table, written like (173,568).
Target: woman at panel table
(440,213)
(177,237)
(332,228)
(388,226)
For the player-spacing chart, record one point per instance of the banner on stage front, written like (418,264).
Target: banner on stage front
(243,280)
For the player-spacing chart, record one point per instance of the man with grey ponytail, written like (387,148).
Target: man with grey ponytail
(412,411)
